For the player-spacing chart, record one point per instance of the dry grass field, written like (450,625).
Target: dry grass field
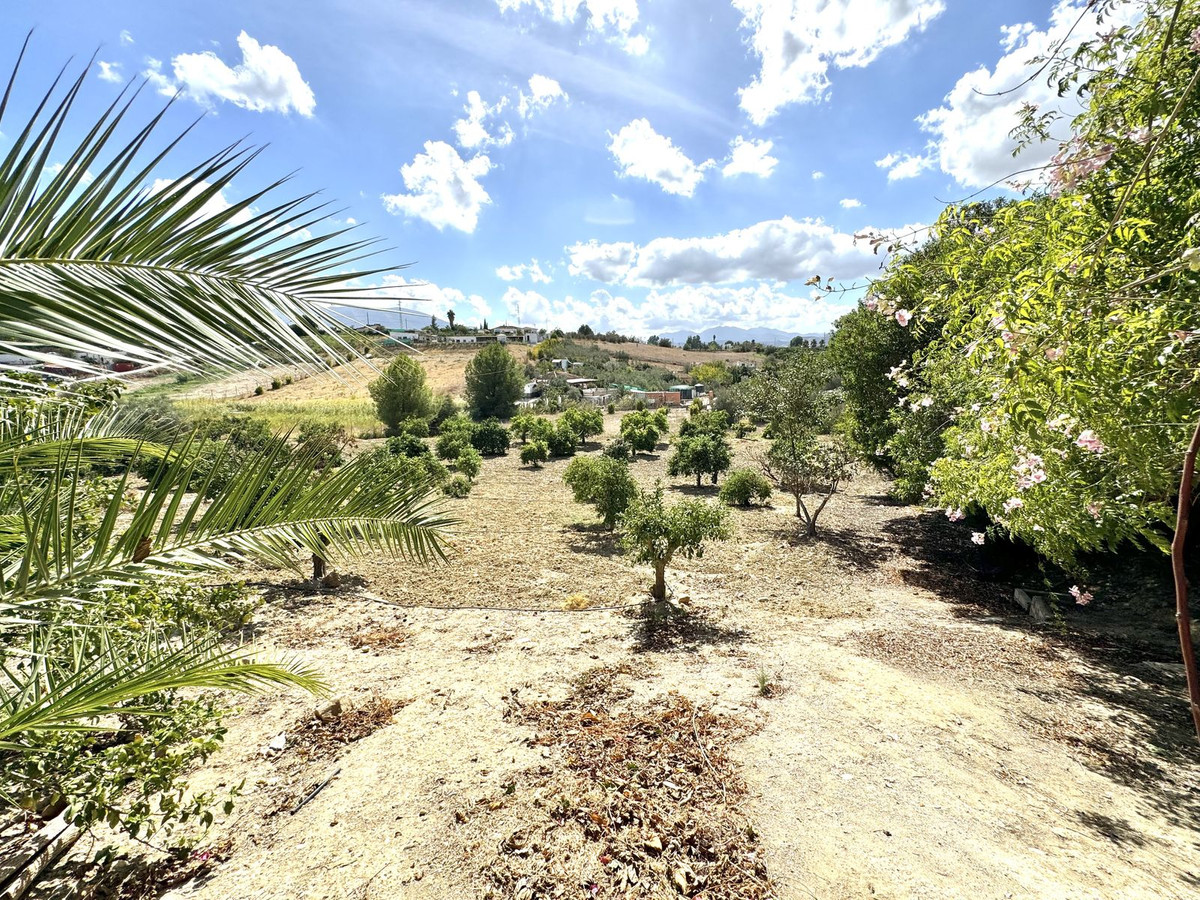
(856,715)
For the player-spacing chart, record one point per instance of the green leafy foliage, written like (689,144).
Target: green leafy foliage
(700,454)
(534,453)
(743,487)
(459,486)
(469,462)
(642,430)
(585,421)
(401,394)
(603,482)
(562,441)
(490,438)
(803,467)
(653,533)
(494,383)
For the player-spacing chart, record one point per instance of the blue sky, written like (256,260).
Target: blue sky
(642,165)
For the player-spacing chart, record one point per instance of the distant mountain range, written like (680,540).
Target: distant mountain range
(725,333)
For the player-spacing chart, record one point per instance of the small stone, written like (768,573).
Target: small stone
(653,844)
(329,711)
(278,743)
(331,580)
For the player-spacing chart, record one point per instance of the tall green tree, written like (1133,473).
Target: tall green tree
(401,394)
(494,383)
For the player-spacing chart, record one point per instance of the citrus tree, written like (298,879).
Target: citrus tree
(654,533)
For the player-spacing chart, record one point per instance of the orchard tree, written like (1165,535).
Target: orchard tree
(654,533)
(604,482)
(712,374)
(585,421)
(400,393)
(699,455)
(494,382)
(534,453)
(803,468)
(641,430)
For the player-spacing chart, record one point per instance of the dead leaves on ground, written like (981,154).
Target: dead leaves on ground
(642,801)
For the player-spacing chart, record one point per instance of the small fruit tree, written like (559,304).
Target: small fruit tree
(494,383)
(603,482)
(400,393)
(641,429)
(804,468)
(653,532)
(699,455)
(585,421)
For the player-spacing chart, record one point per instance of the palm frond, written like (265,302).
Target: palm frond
(47,690)
(95,262)
(274,509)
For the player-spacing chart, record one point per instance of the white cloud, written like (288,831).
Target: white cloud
(817,176)
(682,308)
(543,91)
(473,132)
(110,71)
(601,262)
(776,250)
(641,152)
(970,130)
(443,188)
(126,37)
(429,298)
(904,165)
(751,157)
(266,80)
(531,269)
(798,41)
(613,20)
(850,203)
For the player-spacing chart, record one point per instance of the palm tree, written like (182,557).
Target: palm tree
(450,318)
(95,262)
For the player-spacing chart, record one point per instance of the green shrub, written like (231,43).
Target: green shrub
(444,408)
(494,382)
(276,384)
(258,391)
(535,453)
(585,421)
(458,486)
(743,427)
(521,424)
(490,438)
(469,462)
(743,487)
(323,443)
(641,430)
(699,455)
(603,482)
(406,445)
(618,448)
(415,427)
(452,443)
(563,441)
(421,469)
(612,408)
(288,379)
(705,422)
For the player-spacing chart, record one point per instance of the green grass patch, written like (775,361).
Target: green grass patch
(357,416)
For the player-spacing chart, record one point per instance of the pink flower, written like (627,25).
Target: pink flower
(1095,508)
(871,303)
(1013,503)
(1087,440)
(955,515)
(1083,598)
(903,316)
(1195,45)
(1054,354)
(977,537)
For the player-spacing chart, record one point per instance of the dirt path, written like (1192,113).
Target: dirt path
(919,738)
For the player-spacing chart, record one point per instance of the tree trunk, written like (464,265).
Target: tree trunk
(318,567)
(714,474)
(659,591)
(1183,617)
(698,474)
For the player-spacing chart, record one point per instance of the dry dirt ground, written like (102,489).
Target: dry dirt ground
(858,715)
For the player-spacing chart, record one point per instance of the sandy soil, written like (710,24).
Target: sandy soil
(920,737)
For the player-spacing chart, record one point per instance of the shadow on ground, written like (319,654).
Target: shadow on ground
(661,627)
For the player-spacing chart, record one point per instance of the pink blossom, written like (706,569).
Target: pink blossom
(871,303)
(1087,440)
(1195,45)
(1095,508)
(955,515)
(903,316)
(1013,503)
(1054,354)
(1083,598)
(977,537)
